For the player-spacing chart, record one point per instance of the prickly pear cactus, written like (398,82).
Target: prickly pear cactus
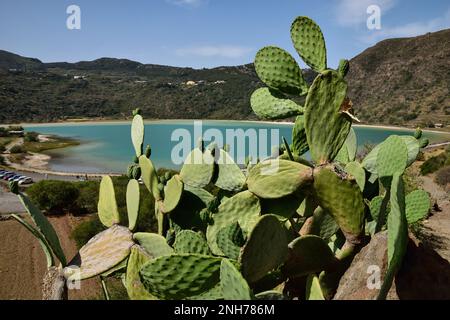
(234,286)
(271,104)
(134,286)
(107,206)
(188,241)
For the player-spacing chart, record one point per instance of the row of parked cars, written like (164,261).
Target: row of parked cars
(12,176)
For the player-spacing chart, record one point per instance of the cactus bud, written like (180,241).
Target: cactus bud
(136,172)
(130,171)
(148,151)
(423,142)
(418,133)
(14,187)
(343,68)
(136,111)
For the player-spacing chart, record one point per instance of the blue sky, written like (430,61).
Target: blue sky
(203,33)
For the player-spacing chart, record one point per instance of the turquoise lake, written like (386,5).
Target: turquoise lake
(107,147)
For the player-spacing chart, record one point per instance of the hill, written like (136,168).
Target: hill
(398,82)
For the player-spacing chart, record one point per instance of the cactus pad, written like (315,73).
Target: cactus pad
(309,42)
(234,286)
(392,157)
(343,199)
(266,248)
(313,289)
(132,203)
(243,208)
(375,207)
(343,68)
(326,127)
(279,70)
(172,193)
(188,241)
(271,104)
(107,206)
(230,239)
(153,244)
(299,140)
(308,254)
(103,252)
(133,284)
(355,169)
(137,134)
(149,176)
(180,276)
(324,224)
(272,179)
(417,205)
(198,168)
(284,207)
(230,176)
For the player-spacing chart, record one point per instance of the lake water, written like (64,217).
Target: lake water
(107,147)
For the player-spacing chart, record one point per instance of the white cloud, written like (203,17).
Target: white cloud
(409,30)
(190,3)
(224,51)
(354,12)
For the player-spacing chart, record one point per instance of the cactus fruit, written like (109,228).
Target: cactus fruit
(107,206)
(343,68)
(271,104)
(44,227)
(136,172)
(313,289)
(104,251)
(326,127)
(180,276)
(137,134)
(279,70)
(132,196)
(172,193)
(418,133)
(397,233)
(243,208)
(153,244)
(133,284)
(234,286)
(150,177)
(348,210)
(309,42)
(272,179)
(188,241)
(229,176)
(417,205)
(198,168)
(230,239)
(308,254)
(299,140)
(265,249)
(355,169)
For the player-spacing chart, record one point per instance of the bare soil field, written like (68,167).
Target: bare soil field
(23,264)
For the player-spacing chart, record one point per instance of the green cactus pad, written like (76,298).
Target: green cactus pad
(348,151)
(172,193)
(271,104)
(313,289)
(326,127)
(215,293)
(375,207)
(38,235)
(413,148)
(103,252)
(198,168)
(133,284)
(343,68)
(355,169)
(272,179)
(266,248)
(234,286)
(392,157)
(308,254)
(343,199)
(309,42)
(132,196)
(417,205)
(279,70)
(324,224)
(243,208)
(137,134)
(230,176)
(107,205)
(45,228)
(153,244)
(284,207)
(150,177)
(397,233)
(299,140)
(180,276)
(188,241)
(230,239)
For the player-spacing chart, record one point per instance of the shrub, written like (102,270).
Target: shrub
(434,163)
(31,137)
(443,176)
(87,197)
(17,149)
(86,230)
(2,160)
(55,197)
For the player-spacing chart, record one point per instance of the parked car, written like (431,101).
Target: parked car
(25,180)
(8,175)
(4,173)
(18,178)
(13,177)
